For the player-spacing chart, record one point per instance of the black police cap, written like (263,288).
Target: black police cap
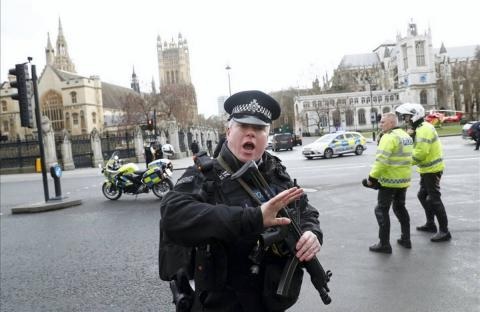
(252,107)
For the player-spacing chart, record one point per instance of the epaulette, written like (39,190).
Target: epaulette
(203,162)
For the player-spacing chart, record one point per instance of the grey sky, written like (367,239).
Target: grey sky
(269,45)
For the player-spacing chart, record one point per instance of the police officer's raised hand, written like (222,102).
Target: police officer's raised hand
(273,206)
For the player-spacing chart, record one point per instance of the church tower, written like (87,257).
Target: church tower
(49,52)
(62,59)
(416,67)
(135,84)
(175,81)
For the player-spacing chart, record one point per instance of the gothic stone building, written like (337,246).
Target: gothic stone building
(176,86)
(407,70)
(72,102)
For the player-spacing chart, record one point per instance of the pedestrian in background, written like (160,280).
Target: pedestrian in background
(222,140)
(194,147)
(148,153)
(428,157)
(391,174)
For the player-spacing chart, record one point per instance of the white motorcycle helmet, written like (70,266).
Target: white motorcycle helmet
(168,150)
(415,110)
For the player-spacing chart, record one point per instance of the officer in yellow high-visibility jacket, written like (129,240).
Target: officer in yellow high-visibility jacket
(427,156)
(391,174)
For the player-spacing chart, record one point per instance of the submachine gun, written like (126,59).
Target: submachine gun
(289,234)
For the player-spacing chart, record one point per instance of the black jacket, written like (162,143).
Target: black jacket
(198,211)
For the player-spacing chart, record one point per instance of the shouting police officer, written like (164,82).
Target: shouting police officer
(217,216)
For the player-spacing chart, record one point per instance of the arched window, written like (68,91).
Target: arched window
(336,118)
(75,119)
(94,118)
(423,97)
(73,94)
(361,117)
(323,121)
(386,109)
(52,107)
(4,106)
(349,117)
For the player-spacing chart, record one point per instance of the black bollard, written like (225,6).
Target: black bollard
(56,173)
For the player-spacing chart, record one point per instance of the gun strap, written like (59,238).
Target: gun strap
(245,186)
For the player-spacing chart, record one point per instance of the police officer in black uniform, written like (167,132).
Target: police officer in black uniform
(217,217)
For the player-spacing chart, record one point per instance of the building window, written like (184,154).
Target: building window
(75,118)
(356,100)
(420,52)
(4,106)
(349,117)
(336,118)
(52,107)
(423,97)
(405,56)
(94,117)
(363,100)
(74,97)
(392,98)
(361,117)
(5,126)
(386,109)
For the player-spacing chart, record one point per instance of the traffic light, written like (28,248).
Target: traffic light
(24,95)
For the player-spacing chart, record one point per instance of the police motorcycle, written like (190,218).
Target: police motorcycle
(127,178)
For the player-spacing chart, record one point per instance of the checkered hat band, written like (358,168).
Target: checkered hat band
(252,108)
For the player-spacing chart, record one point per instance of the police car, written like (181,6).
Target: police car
(336,144)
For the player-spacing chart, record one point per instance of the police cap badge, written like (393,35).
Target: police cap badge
(252,107)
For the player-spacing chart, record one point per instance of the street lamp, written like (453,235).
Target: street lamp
(228,73)
(373,118)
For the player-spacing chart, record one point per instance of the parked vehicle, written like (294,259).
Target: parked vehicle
(336,144)
(129,179)
(282,141)
(297,140)
(437,117)
(468,132)
(270,142)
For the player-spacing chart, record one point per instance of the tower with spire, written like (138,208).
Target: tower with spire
(49,52)
(62,60)
(135,84)
(175,80)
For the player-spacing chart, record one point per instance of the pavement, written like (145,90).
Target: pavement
(65,202)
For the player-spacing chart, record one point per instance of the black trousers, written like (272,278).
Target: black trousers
(430,198)
(477,140)
(394,197)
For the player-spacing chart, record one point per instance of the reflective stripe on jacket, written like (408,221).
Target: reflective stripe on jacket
(393,162)
(427,152)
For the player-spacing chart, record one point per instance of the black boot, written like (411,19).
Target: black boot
(441,237)
(427,227)
(405,242)
(383,248)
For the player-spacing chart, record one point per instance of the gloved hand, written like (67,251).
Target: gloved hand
(373,183)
